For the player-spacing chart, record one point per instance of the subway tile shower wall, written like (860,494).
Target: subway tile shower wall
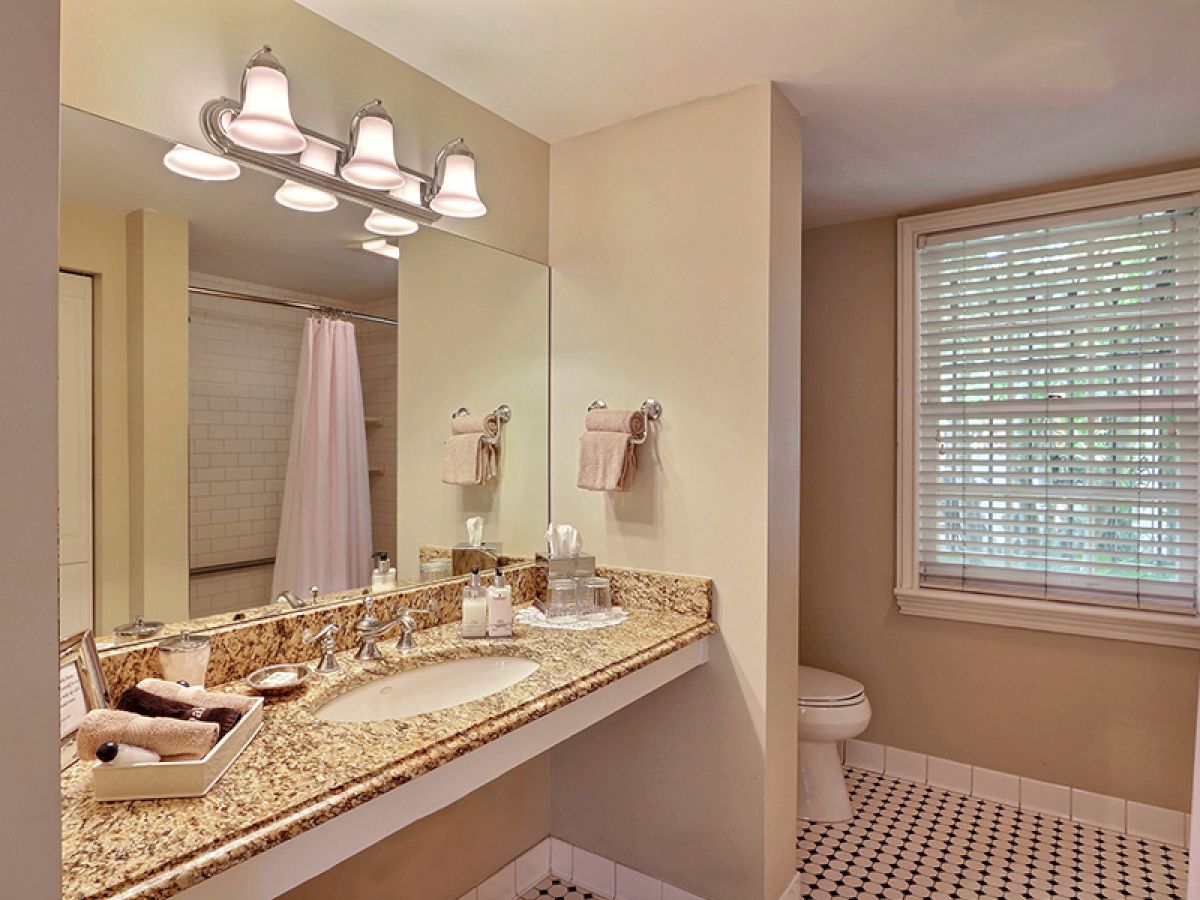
(242,381)
(377,362)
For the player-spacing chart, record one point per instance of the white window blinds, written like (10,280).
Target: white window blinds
(1058,421)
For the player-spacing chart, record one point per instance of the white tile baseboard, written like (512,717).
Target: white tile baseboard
(1154,823)
(584,868)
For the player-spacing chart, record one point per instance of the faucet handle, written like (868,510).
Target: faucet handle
(327,635)
(313,593)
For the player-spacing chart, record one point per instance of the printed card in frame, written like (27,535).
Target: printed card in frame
(81,689)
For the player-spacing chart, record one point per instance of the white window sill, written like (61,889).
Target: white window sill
(1145,627)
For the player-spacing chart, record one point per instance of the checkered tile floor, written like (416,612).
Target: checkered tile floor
(556,887)
(912,840)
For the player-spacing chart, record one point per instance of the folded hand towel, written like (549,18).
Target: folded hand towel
(607,458)
(166,737)
(144,703)
(468,456)
(196,696)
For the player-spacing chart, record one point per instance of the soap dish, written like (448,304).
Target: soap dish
(272,681)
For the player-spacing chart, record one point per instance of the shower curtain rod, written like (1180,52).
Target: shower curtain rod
(294,304)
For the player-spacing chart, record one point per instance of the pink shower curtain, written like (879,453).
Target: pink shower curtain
(325,526)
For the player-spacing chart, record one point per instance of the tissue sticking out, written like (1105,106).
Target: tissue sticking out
(475,531)
(563,541)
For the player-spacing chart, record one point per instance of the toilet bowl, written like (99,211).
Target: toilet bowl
(832,708)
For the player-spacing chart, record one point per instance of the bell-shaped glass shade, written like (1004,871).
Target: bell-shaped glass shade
(320,157)
(373,161)
(382,247)
(458,197)
(265,121)
(184,160)
(381,222)
(301,197)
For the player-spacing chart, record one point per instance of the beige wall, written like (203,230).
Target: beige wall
(474,326)
(1107,716)
(152,65)
(29,841)
(444,855)
(668,239)
(92,242)
(139,266)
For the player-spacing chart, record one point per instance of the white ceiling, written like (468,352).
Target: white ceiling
(908,103)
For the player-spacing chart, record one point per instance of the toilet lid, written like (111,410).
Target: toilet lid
(820,688)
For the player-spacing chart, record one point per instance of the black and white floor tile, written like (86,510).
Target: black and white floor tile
(913,840)
(557,888)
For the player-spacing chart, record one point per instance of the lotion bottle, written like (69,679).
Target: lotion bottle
(474,608)
(499,608)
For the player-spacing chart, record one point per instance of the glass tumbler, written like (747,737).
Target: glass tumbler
(562,604)
(597,592)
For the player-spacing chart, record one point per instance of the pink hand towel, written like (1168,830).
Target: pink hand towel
(166,737)
(607,455)
(468,456)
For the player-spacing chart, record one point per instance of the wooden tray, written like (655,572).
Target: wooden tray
(191,778)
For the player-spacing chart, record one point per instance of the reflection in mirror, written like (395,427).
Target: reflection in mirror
(204,469)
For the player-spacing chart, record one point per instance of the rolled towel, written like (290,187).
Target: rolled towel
(468,456)
(196,696)
(623,421)
(144,703)
(607,458)
(166,737)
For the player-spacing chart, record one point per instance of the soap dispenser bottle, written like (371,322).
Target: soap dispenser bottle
(383,574)
(474,608)
(499,608)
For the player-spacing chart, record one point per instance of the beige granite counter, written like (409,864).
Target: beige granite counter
(302,771)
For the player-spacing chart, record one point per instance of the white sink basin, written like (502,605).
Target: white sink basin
(427,689)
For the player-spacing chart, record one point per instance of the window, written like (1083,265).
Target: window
(1051,417)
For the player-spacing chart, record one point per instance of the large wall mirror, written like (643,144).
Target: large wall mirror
(222,442)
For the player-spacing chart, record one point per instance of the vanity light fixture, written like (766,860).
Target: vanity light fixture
(259,132)
(265,122)
(320,157)
(455,193)
(372,162)
(192,163)
(381,247)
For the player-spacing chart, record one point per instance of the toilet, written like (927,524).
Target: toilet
(832,708)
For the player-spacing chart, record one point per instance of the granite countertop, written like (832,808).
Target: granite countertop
(301,771)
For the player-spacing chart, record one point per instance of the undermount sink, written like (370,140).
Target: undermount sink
(430,688)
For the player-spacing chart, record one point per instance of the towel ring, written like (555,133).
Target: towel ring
(650,408)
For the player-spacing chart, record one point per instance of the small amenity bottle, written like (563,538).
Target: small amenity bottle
(499,608)
(474,608)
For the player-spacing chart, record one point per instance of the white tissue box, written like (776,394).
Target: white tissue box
(189,778)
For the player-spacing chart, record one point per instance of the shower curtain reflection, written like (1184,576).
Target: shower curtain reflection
(325,526)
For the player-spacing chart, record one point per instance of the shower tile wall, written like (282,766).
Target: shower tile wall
(243,361)
(377,360)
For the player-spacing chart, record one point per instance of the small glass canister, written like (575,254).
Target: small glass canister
(437,569)
(562,603)
(184,657)
(595,597)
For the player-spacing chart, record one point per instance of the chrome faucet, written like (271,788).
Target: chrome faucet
(327,635)
(295,602)
(371,629)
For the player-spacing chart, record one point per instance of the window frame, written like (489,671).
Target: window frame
(1117,623)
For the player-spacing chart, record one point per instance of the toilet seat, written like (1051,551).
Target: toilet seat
(817,688)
